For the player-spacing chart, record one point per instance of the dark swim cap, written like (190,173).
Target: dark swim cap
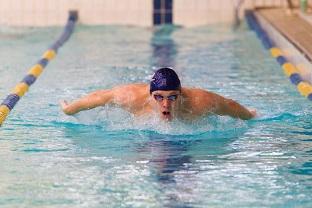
(165,79)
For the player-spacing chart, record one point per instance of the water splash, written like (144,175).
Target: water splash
(116,119)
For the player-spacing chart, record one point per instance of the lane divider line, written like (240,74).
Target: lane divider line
(304,88)
(34,72)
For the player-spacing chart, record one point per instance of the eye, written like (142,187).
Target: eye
(158,97)
(172,97)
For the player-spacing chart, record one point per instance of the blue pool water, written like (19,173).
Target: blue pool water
(107,158)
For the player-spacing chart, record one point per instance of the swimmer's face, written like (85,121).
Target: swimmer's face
(166,103)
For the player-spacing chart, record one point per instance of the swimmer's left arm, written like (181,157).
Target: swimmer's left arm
(234,109)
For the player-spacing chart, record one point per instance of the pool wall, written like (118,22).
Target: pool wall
(126,12)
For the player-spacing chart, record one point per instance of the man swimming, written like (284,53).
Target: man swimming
(163,97)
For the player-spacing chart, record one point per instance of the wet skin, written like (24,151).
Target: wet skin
(187,104)
(166,103)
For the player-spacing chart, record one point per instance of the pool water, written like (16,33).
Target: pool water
(107,158)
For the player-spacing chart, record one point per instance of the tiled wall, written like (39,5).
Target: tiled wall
(199,12)
(54,12)
(124,12)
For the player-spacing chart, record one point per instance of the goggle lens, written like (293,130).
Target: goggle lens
(161,98)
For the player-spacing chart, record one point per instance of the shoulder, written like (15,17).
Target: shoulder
(130,94)
(200,100)
(131,87)
(198,93)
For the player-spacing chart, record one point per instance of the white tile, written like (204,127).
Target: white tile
(134,12)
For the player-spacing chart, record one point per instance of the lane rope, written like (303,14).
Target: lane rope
(304,88)
(34,72)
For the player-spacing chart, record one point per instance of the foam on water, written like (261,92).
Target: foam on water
(116,119)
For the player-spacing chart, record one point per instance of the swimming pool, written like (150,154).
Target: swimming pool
(106,158)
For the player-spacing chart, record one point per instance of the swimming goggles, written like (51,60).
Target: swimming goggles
(161,98)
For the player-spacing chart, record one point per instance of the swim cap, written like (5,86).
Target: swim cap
(165,79)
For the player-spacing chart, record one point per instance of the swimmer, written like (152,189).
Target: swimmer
(163,97)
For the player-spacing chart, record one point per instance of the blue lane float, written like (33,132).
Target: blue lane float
(281,60)
(21,88)
(290,70)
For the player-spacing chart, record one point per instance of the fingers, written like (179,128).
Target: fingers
(63,104)
(253,112)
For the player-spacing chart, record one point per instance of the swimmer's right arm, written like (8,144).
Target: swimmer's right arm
(92,100)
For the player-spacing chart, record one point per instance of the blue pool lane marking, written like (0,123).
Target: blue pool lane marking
(21,88)
(162,12)
(290,70)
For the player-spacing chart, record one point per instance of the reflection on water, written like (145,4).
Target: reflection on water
(171,159)
(162,159)
(164,47)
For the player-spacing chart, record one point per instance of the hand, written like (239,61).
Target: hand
(64,106)
(253,112)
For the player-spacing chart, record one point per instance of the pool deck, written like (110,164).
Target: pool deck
(295,27)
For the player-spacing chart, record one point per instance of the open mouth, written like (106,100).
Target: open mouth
(166,113)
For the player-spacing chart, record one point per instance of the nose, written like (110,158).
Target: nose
(166,104)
